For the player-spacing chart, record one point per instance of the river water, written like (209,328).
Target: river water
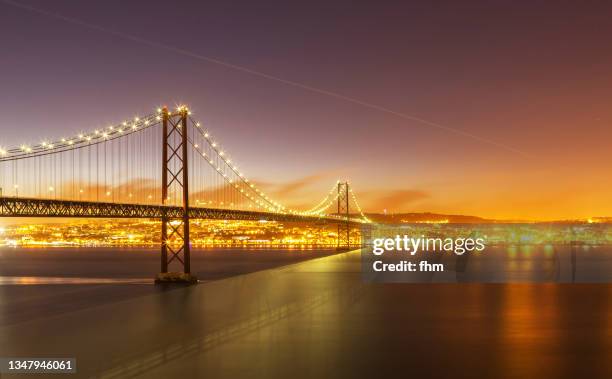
(317,318)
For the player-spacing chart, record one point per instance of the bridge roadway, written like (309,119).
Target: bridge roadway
(28,207)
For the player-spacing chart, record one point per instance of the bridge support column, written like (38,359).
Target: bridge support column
(344,227)
(164,221)
(175,178)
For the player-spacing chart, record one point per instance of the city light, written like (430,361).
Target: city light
(144,233)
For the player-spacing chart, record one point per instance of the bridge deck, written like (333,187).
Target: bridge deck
(25,207)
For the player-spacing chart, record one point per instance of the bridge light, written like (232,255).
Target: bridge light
(222,153)
(146,122)
(158,118)
(44,144)
(159,110)
(196,146)
(50,146)
(205,135)
(81,136)
(214,144)
(63,139)
(198,124)
(97,132)
(136,119)
(124,123)
(111,127)
(88,138)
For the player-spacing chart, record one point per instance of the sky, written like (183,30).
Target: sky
(496,109)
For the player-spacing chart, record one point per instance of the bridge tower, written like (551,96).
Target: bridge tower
(175,175)
(344,228)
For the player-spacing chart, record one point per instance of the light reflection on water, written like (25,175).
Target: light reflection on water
(36,280)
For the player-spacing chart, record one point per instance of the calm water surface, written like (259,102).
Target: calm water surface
(312,319)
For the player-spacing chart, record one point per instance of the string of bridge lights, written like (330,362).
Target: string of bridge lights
(214,145)
(222,154)
(137,124)
(315,209)
(82,139)
(125,128)
(322,206)
(366,219)
(329,204)
(229,180)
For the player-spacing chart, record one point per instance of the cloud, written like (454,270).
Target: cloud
(290,188)
(294,187)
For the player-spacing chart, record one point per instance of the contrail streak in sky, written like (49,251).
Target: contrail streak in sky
(261,74)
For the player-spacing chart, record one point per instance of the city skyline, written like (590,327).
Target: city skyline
(515,127)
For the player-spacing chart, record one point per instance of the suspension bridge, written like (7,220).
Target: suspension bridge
(164,166)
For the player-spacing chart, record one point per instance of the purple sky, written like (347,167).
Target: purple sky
(534,78)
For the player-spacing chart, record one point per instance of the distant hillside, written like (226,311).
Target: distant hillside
(606,220)
(426,217)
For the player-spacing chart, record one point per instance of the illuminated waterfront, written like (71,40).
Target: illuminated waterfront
(204,233)
(215,233)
